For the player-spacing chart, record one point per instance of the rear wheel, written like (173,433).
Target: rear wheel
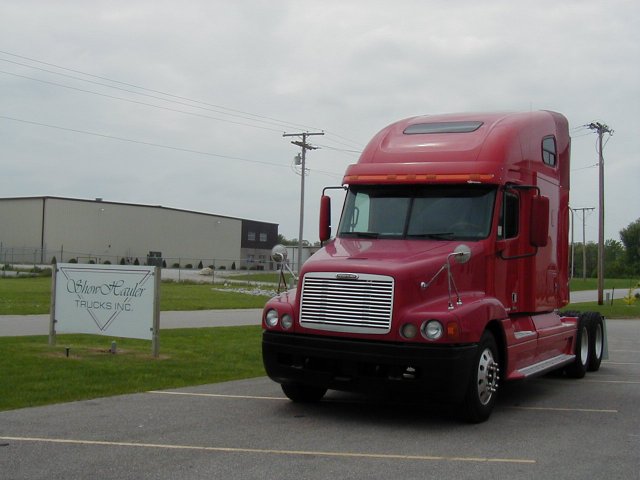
(579,366)
(596,340)
(483,386)
(300,393)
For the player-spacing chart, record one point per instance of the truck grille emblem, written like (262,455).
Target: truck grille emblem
(347,276)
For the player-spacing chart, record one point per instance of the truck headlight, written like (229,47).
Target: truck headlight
(271,318)
(431,329)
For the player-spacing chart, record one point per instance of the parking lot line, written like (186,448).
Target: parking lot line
(561,409)
(190,394)
(629,382)
(355,455)
(250,397)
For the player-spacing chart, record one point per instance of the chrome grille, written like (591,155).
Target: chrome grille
(347,302)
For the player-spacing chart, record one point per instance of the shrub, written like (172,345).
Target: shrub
(53,260)
(200,265)
(73,260)
(122,262)
(137,262)
(106,262)
(175,265)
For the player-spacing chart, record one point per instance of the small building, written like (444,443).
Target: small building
(37,229)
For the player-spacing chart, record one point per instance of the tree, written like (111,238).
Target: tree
(614,260)
(282,240)
(630,237)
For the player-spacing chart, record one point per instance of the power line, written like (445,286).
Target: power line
(235,113)
(140,142)
(137,102)
(244,116)
(150,90)
(158,145)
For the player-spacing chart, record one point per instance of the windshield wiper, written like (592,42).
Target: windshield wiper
(433,235)
(360,234)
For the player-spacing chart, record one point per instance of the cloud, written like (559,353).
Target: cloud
(348,68)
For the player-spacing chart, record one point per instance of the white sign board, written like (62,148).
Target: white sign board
(105,299)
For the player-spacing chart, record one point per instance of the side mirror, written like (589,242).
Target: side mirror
(539,221)
(325,218)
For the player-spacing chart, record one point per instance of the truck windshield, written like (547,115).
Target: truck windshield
(420,211)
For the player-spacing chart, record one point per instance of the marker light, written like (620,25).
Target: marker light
(287,321)
(408,331)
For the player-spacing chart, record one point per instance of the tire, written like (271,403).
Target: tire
(595,325)
(481,394)
(579,366)
(300,393)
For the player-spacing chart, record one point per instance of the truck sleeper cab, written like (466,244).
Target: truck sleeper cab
(447,269)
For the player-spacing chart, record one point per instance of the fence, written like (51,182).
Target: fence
(38,256)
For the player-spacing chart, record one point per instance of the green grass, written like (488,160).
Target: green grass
(22,296)
(619,309)
(33,373)
(181,296)
(25,296)
(268,277)
(578,284)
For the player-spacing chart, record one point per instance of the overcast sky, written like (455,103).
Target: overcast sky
(183,104)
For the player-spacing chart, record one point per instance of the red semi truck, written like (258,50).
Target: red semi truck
(447,269)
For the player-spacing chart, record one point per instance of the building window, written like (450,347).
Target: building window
(263,237)
(251,236)
(549,151)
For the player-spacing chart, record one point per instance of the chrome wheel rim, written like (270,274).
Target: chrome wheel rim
(599,342)
(584,346)
(487,376)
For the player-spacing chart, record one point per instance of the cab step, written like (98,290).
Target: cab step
(545,366)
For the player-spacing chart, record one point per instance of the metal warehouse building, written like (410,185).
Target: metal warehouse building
(37,229)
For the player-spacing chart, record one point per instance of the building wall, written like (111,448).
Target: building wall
(21,223)
(100,231)
(258,238)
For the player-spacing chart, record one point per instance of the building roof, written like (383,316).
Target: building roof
(100,200)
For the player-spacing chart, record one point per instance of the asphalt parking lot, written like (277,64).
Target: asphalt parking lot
(550,427)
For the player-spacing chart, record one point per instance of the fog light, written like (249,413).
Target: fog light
(271,318)
(409,330)
(287,322)
(431,330)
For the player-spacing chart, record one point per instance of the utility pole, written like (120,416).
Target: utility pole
(601,129)
(584,242)
(305,146)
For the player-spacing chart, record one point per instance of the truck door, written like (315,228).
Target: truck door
(509,251)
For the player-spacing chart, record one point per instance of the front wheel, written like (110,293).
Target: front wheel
(483,386)
(300,393)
